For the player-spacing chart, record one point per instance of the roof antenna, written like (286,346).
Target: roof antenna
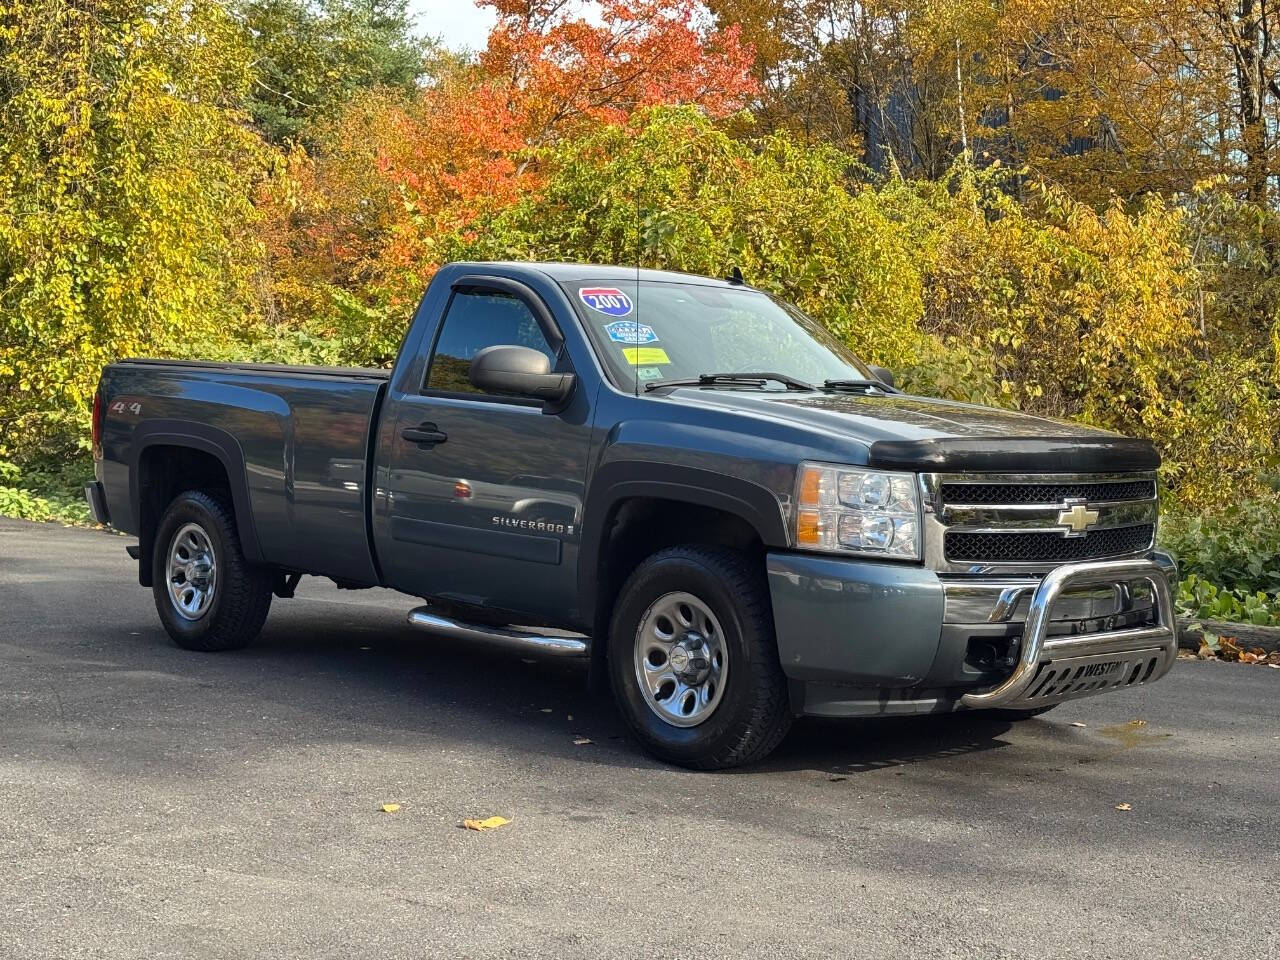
(735,276)
(635,326)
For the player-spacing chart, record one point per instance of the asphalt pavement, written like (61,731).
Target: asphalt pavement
(159,803)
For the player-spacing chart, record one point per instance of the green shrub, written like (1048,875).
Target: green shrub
(1236,547)
(52,494)
(1201,600)
(17,501)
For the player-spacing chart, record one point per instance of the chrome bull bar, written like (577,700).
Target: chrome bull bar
(1052,669)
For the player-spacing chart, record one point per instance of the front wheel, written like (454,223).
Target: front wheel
(693,660)
(208,595)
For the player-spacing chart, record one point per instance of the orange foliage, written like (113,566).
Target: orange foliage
(393,173)
(557,68)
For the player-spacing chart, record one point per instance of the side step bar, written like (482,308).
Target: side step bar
(429,620)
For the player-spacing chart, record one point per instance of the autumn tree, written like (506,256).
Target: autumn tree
(876,77)
(556,68)
(125,182)
(1102,96)
(670,190)
(392,174)
(311,56)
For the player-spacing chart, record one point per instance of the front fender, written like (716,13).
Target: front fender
(621,480)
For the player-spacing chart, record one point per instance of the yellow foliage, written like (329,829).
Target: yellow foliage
(125,221)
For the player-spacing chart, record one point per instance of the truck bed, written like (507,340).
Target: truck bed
(273,369)
(294,440)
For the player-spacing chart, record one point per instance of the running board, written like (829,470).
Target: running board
(526,642)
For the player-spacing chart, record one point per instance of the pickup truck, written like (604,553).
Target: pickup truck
(683,480)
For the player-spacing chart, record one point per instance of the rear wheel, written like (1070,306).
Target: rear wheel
(208,595)
(693,660)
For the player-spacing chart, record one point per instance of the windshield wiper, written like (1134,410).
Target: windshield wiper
(863,385)
(711,379)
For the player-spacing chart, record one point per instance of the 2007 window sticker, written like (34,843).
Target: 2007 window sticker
(607,300)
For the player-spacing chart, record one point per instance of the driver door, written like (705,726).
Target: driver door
(485,491)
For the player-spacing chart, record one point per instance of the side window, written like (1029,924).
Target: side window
(476,321)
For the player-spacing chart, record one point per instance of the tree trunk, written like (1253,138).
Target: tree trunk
(1246,36)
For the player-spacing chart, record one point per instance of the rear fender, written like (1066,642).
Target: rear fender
(206,439)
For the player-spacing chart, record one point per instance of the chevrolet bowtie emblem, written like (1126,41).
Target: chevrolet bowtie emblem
(1078,519)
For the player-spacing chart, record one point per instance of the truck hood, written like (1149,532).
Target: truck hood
(921,433)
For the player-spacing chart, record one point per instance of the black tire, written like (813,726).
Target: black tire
(241,594)
(753,713)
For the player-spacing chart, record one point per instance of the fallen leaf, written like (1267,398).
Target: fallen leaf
(580,741)
(1137,723)
(1124,806)
(489,823)
(1077,723)
(1231,650)
(390,807)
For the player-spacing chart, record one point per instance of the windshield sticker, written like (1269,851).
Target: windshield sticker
(648,373)
(606,300)
(630,331)
(646,356)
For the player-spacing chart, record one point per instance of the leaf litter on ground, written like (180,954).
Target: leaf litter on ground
(488,823)
(1214,647)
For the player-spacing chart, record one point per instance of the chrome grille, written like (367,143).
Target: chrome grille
(1037,519)
(1000,493)
(1036,547)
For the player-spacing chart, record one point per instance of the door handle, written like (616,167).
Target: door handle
(424,433)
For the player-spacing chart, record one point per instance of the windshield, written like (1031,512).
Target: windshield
(678,331)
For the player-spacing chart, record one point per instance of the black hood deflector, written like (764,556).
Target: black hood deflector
(1016,454)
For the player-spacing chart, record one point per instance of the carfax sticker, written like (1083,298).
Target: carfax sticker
(630,331)
(645,356)
(606,300)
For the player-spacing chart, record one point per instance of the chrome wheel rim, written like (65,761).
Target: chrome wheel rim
(193,572)
(681,659)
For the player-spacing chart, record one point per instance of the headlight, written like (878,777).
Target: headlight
(855,510)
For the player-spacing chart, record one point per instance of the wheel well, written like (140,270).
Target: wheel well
(164,472)
(641,526)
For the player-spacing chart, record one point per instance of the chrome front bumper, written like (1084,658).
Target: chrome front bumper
(1051,668)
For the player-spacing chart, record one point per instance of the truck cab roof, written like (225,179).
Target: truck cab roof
(569,272)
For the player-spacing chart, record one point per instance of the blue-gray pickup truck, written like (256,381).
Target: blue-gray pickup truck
(683,480)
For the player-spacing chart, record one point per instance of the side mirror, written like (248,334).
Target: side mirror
(883,375)
(520,372)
